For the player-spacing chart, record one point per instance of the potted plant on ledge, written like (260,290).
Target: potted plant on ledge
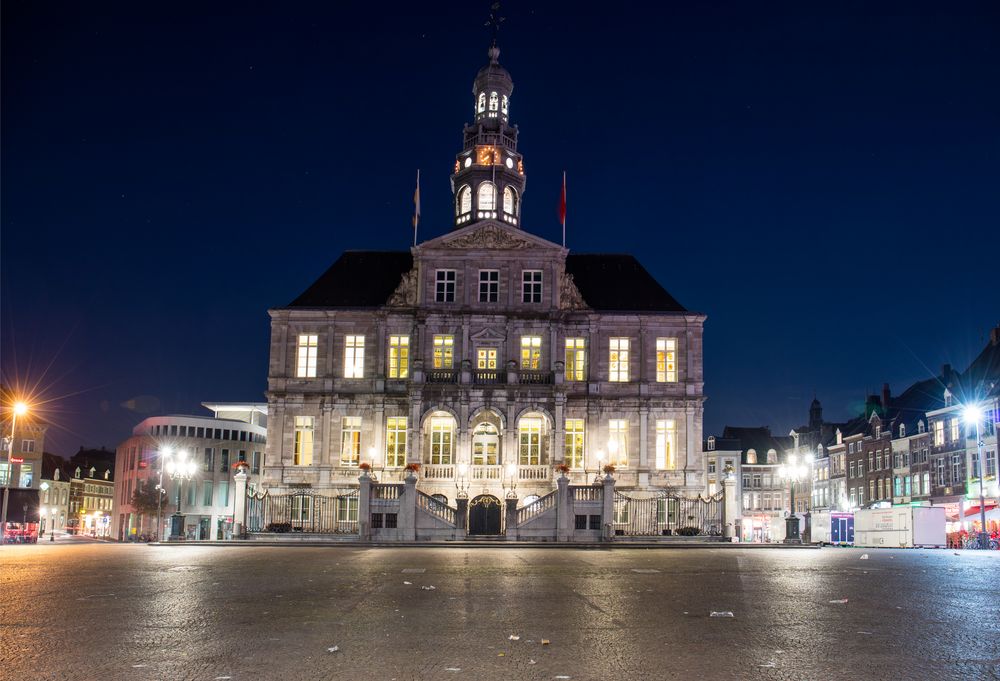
(411,470)
(563,469)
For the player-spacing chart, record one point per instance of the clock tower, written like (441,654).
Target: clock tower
(488,181)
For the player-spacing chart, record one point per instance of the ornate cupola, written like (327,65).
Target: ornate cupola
(488,181)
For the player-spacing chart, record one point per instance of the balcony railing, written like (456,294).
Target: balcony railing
(433,471)
(535,378)
(490,377)
(439,376)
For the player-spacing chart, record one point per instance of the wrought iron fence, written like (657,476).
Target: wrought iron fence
(302,512)
(667,513)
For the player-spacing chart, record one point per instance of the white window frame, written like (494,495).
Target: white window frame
(666,444)
(576,359)
(618,442)
(307,353)
(444,352)
(442,440)
(354,356)
(399,356)
(489,286)
(347,509)
(531,286)
(395,441)
(529,438)
(445,283)
(574,445)
(666,360)
(531,353)
(618,351)
(302,452)
(350,441)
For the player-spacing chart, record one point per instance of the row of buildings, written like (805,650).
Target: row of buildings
(916,448)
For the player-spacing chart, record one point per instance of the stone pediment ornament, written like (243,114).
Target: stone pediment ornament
(488,335)
(569,294)
(405,294)
(488,236)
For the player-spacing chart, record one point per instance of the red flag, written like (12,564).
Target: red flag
(562,209)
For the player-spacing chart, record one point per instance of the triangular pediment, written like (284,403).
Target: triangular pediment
(489,235)
(488,335)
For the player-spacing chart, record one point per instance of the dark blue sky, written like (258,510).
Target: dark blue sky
(821,180)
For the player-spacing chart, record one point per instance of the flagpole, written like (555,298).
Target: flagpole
(416,208)
(564,208)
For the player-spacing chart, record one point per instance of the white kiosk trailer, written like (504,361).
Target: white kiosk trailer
(900,527)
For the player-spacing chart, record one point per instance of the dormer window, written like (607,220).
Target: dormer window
(772,456)
(711,443)
(921,428)
(751,456)
(902,430)
(481,107)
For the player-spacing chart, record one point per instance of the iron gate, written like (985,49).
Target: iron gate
(667,513)
(302,512)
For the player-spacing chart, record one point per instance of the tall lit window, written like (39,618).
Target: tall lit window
(350,441)
(489,286)
(206,492)
(576,359)
(530,437)
(444,286)
(27,474)
(485,445)
(486,359)
(509,201)
(305,361)
(487,199)
(618,360)
(481,103)
(938,433)
(4,473)
(494,101)
(399,356)
(444,352)
(354,356)
(531,286)
(956,468)
(503,104)
(955,434)
(574,443)
(463,202)
(303,453)
(347,509)
(666,360)
(531,352)
(666,440)
(395,441)
(618,442)
(442,439)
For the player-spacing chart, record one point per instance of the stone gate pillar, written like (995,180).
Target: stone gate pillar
(364,506)
(609,508)
(239,502)
(565,522)
(511,510)
(729,507)
(408,509)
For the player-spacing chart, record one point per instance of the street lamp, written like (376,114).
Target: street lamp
(462,482)
(512,475)
(793,472)
(180,469)
(600,465)
(373,458)
(974,414)
(19,408)
(165,454)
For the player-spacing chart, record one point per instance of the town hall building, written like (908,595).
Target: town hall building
(488,356)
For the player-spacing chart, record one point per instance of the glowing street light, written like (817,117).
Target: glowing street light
(973,414)
(180,468)
(793,471)
(18,408)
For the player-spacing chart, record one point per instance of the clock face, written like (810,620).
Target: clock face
(468,161)
(510,162)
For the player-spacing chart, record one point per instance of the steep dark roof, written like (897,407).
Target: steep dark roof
(606,282)
(760,440)
(618,282)
(357,279)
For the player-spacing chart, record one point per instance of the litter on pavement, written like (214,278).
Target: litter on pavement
(864,556)
(842,600)
(333,649)
(722,613)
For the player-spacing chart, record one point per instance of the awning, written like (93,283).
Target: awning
(974,510)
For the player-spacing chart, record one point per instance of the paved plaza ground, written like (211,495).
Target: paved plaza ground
(136,612)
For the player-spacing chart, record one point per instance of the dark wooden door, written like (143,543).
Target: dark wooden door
(484,515)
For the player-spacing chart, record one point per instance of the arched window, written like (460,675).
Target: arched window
(494,101)
(463,202)
(772,456)
(751,456)
(509,201)
(442,438)
(487,199)
(530,437)
(482,103)
(503,105)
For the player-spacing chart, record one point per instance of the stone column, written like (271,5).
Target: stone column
(565,524)
(461,517)
(644,438)
(730,508)
(239,502)
(608,531)
(408,509)
(364,506)
(511,509)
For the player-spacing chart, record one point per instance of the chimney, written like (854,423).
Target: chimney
(946,373)
(995,336)
(885,395)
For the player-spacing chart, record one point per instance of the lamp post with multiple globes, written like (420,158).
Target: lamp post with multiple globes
(792,472)
(180,469)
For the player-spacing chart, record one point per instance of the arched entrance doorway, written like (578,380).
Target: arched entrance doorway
(484,515)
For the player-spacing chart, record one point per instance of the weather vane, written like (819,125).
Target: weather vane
(495,20)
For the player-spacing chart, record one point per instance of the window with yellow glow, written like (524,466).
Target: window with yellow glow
(463,202)
(530,441)
(487,199)
(938,433)
(305,364)
(618,442)
(399,356)
(576,359)
(395,441)
(574,443)
(350,441)
(666,438)
(486,359)
(303,452)
(618,360)
(444,347)
(442,439)
(485,445)
(666,360)
(509,201)
(531,352)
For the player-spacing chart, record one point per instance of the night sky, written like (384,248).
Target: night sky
(820,179)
